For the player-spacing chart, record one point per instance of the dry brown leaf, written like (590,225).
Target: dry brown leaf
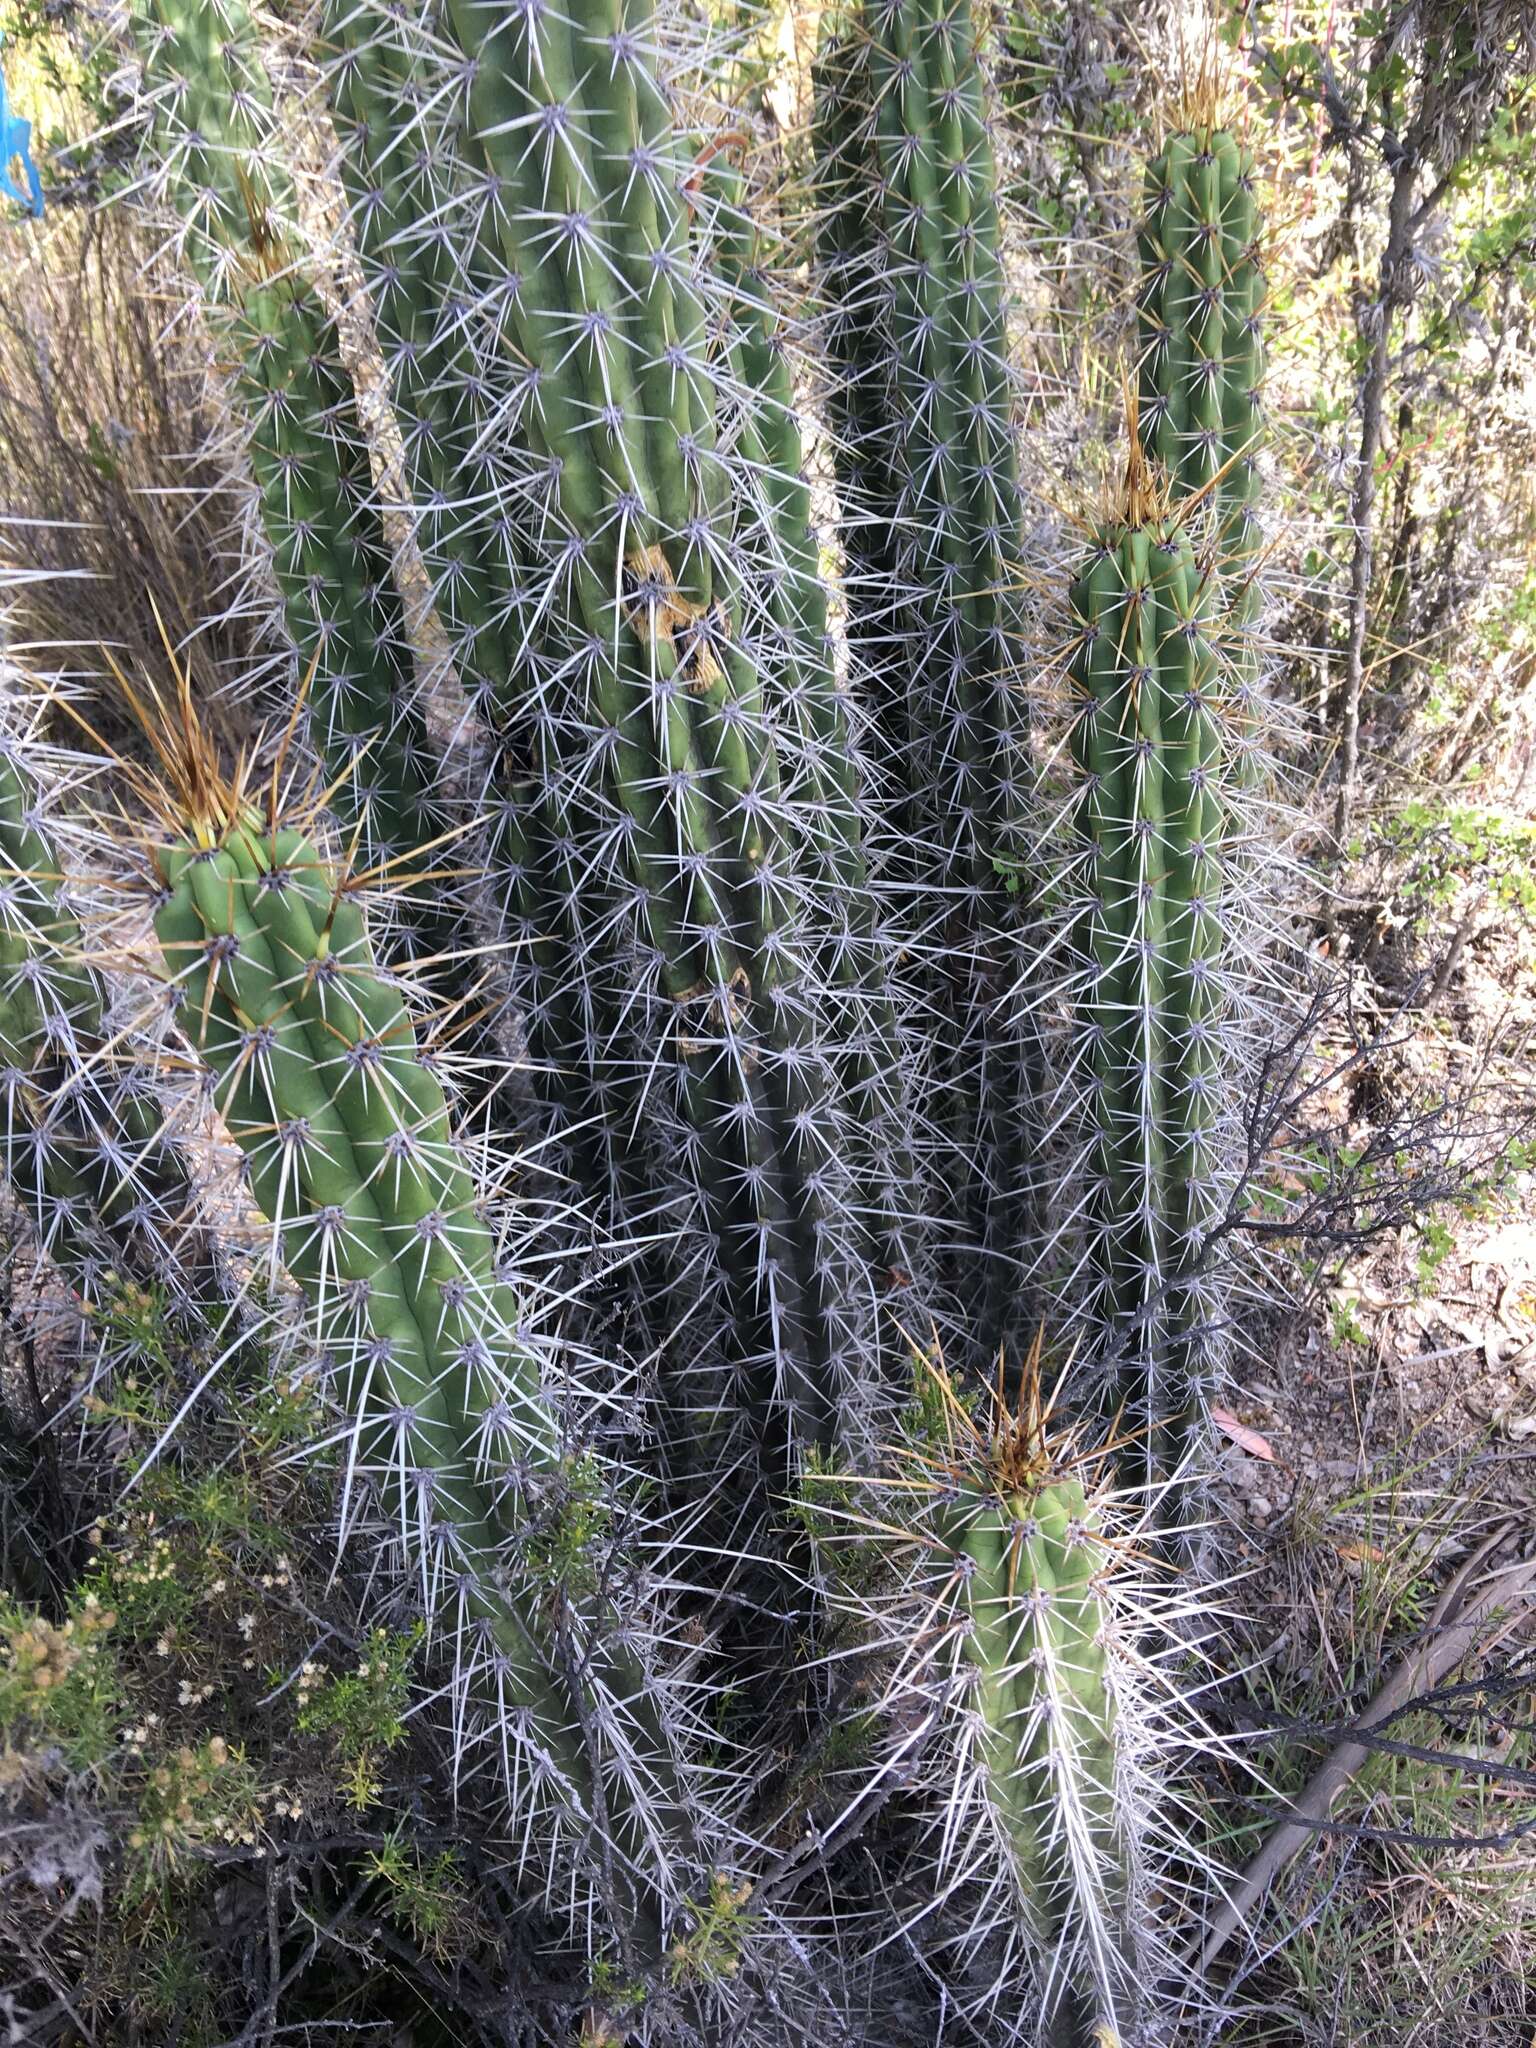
(1246,1439)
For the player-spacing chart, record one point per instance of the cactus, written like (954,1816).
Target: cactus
(1024,1563)
(353,1161)
(928,471)
(217,153)
(84,1146)
(1201,366)
(761,914)
(1198,309)
(1149,701)
(766,427)
(675,783)
(1015,1710)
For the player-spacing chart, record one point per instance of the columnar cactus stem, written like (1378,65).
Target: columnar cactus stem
(1150,700)
(352,1159)
(398,173)
(1199,307)
(1025,1561)
(672,787)
(830,816)
(220,156)
(928,470)
(1201,374)
(766,426)
(1010,1634)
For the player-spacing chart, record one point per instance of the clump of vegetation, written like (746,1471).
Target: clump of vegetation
(195,1706)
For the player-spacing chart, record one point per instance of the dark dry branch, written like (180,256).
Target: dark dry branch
(1446,1137)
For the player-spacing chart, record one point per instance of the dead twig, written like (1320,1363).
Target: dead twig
(1451,1635)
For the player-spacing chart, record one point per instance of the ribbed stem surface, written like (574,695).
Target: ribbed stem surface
(353,1160)
(909,243)
(1148,740)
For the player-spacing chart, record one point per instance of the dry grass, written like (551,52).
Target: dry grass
(119,501)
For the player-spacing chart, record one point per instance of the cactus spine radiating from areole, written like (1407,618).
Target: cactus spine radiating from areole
(353,1161)
(910,267)
(1150,698)
(673,800)
(220,157)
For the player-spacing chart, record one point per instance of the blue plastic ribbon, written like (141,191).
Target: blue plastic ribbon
(16,142)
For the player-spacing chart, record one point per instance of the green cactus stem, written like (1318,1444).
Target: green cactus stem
(1007,1637)
(1199,309)
(1150,701)
(218,145)
(1201,374)
(927,468)
(1026,1560)
(684,835)
(352,1158)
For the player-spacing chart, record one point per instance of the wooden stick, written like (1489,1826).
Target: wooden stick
(1447,1641)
